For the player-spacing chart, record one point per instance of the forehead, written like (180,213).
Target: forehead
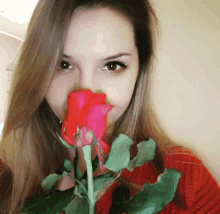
(99,30)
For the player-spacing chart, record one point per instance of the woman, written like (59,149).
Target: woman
(66,49)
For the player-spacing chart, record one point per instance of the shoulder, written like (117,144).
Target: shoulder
(178,155)
(196,184)
(186,161)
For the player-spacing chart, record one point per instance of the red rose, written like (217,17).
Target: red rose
(86,117)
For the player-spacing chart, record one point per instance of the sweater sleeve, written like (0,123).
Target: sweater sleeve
(207,192)
(197,186)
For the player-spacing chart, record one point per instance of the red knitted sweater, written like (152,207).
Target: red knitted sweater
(197,188)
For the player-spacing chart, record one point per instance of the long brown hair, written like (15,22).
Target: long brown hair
(30,147)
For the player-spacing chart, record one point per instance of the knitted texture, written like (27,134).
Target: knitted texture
(197,188)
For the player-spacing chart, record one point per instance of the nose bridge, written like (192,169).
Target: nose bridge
(88,79)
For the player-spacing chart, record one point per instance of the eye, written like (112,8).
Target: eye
(113,65)
(64,65)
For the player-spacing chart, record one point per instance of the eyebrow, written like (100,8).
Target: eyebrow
(107,58)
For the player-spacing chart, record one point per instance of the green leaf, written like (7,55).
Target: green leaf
(48,204)
(78,206)
(154,197)
(146,152)
(99,183)
(67,166)
(78,173)
(101,180)
(51,180)
(79,190)
(119,155)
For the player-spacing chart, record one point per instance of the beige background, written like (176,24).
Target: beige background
(186,89)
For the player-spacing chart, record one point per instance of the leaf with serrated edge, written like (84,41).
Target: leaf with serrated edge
(154,197)
(119,155)
(146,152)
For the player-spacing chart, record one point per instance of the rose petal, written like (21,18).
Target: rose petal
(97,99)
(95,118)
(105,147)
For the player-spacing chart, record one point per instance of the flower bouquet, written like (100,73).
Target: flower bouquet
(84,127)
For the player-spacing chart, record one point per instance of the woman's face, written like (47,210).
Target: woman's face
(93,36)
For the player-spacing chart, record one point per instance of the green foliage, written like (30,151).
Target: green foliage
(55,204)
(48,204)
(81,189)
(102,180)
(154,197)
(51,180)
(146,152)
(68,166)
(119,155)
(99,183)
(77,206)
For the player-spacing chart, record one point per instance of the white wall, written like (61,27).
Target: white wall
(186,90)
(8,49)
